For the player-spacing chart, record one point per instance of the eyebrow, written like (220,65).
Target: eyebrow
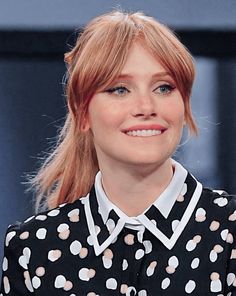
(163,74)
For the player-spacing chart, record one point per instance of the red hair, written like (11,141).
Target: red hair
(96,60)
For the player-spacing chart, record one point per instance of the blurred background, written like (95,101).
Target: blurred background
(34,35)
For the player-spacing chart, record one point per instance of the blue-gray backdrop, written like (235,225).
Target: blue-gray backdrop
(33,37)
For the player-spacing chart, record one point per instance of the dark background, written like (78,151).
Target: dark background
(33,39)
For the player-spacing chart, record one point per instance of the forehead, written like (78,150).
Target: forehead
(141,62)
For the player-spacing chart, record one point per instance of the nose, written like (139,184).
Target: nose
(144,106)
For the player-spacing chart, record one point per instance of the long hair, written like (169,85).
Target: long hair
(95,61)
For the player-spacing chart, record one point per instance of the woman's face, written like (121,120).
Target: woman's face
(137,120)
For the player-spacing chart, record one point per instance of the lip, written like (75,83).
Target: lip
(145,127)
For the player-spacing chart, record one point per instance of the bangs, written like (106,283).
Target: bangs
(102,49)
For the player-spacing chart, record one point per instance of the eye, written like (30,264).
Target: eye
(164,89)
(118,90)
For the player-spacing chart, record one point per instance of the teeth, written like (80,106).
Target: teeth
(143,133)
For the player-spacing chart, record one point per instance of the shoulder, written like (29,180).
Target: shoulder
(50,223)
(219,198)
(220,206)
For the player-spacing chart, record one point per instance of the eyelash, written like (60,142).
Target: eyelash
(123,88)
(168,86)
(114,89)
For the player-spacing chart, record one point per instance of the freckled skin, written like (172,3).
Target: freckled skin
(145,103)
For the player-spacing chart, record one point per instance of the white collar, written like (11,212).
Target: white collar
(163,203)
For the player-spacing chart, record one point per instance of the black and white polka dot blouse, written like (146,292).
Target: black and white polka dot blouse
(183,244)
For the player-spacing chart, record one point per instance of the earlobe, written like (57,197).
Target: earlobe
(85,126)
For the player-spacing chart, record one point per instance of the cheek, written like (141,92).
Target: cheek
(175,113)
(105,116)
(99,122)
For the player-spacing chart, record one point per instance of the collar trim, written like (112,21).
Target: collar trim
(163,203)
(143,219)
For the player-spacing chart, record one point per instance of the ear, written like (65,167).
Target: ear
(85,124)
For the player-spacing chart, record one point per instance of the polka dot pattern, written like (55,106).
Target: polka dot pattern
(111,284)
(74,215)
(190,286)
(9,237)
(54,255)
(41,233)
(86,274)
(107,258)
(55,251)
(63,231)
(151,268)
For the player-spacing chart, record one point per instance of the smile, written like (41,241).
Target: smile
(143,133)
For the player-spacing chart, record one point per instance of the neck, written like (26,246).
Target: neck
(134,190)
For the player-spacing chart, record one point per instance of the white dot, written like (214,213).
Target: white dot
(9,236)
(213,256)
(195,263)
(124,264)
(107,262)
(139,254)
(62,227)
(216,286)
(200,212)
(84,274)
(24,259)
(224,234)
(5,264)
(41,217)
(75,247)
(41,233)
(53,213)
(27,253)
(191,245)
(131,289)
(173,261)
(190,286)
(230,278)
(221,201)
(23,262)
(200,215)
(165,283)
(53,255)
(148,246)
(73,212)
(111,284)
(6,285)
(60,281)
(36,282)
(90,240)
(28,282)
(142,293)
(150,271)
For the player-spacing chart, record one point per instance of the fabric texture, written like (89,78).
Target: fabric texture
(191,252)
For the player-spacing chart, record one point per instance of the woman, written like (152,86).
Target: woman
(123,218)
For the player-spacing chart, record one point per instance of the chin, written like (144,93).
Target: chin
(148,160)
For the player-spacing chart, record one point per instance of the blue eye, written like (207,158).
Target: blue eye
(164,89)
(118,90)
